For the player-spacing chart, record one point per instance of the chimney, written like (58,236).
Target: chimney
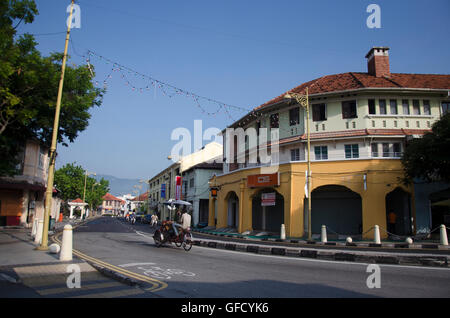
(378,62)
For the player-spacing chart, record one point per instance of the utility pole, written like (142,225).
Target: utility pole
(51,169)
(303,100)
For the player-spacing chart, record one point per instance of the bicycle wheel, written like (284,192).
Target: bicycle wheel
(187,242)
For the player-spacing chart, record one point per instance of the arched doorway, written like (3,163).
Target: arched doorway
(399,202)
(233,210)
(338,208)
(267,216)
(440,208)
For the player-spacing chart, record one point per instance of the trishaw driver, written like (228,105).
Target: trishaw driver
(185,223)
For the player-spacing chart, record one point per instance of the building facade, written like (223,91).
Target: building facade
(196,189)
(162,186)
(359,125)
(111,205)
(22,196)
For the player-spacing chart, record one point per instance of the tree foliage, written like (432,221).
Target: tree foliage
(29,86)
(428,158)
(69,180)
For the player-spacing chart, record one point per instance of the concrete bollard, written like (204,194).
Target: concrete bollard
(377,239)
(409,240)
(283,232)
(323,235)
(38,236)
(66,246)
(349,240)
(34,228)
(444,240)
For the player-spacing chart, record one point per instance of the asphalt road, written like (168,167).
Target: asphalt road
(204,272)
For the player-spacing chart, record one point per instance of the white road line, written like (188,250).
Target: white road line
(302,259)
(136,264)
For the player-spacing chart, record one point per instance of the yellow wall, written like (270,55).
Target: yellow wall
(383,176)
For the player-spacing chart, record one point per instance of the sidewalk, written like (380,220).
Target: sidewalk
(364,252)
(26,272)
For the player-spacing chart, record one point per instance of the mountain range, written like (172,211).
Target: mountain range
(119,186)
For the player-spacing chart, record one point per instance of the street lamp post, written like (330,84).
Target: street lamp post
(52,157)
(303,100)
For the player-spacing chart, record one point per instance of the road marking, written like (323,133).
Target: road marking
(156,284)
(136,264)
(320,260)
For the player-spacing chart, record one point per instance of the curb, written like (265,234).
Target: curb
(304,243)
(429,261)
(114,275)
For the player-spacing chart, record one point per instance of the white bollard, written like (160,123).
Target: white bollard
(409,240)
(283,232)
(444,240)
(38,236)
(349,240)
(34,228)
(323,236)
(377,239)
(66,246)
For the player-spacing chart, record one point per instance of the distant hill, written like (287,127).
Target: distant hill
(120,186)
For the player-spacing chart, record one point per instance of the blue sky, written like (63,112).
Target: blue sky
(242,53)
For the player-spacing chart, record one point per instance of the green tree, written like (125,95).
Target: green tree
(70,181)
(428,158)
(29,85)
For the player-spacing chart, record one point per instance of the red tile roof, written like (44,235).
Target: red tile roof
(77,201)
(110,197)
(142,197)
(356,80)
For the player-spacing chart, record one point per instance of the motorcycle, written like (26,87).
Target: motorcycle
(132,219)
(165,234)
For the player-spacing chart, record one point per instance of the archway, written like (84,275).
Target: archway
(440,208)
(399,202)
(267,215)
(338,208)
(233,209)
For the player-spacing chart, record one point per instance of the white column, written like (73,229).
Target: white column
(376,238)
(71,212)
(323,235)
(40,227)
(444,240)
(66,246)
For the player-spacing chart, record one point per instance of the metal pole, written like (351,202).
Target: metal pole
(51,169)
(309,167)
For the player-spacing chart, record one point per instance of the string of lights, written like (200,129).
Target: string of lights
(167,89)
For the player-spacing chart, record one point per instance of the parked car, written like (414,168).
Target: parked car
(147,219)
(139,216)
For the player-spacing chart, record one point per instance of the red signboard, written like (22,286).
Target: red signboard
(263,180)
(178,188)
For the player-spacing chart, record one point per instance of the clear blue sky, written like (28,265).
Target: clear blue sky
(242,53)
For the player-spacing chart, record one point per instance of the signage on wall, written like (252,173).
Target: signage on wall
(268,199)
(163,190)
(263,180)
(178,188)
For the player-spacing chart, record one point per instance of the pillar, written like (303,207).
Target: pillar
(212,211)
